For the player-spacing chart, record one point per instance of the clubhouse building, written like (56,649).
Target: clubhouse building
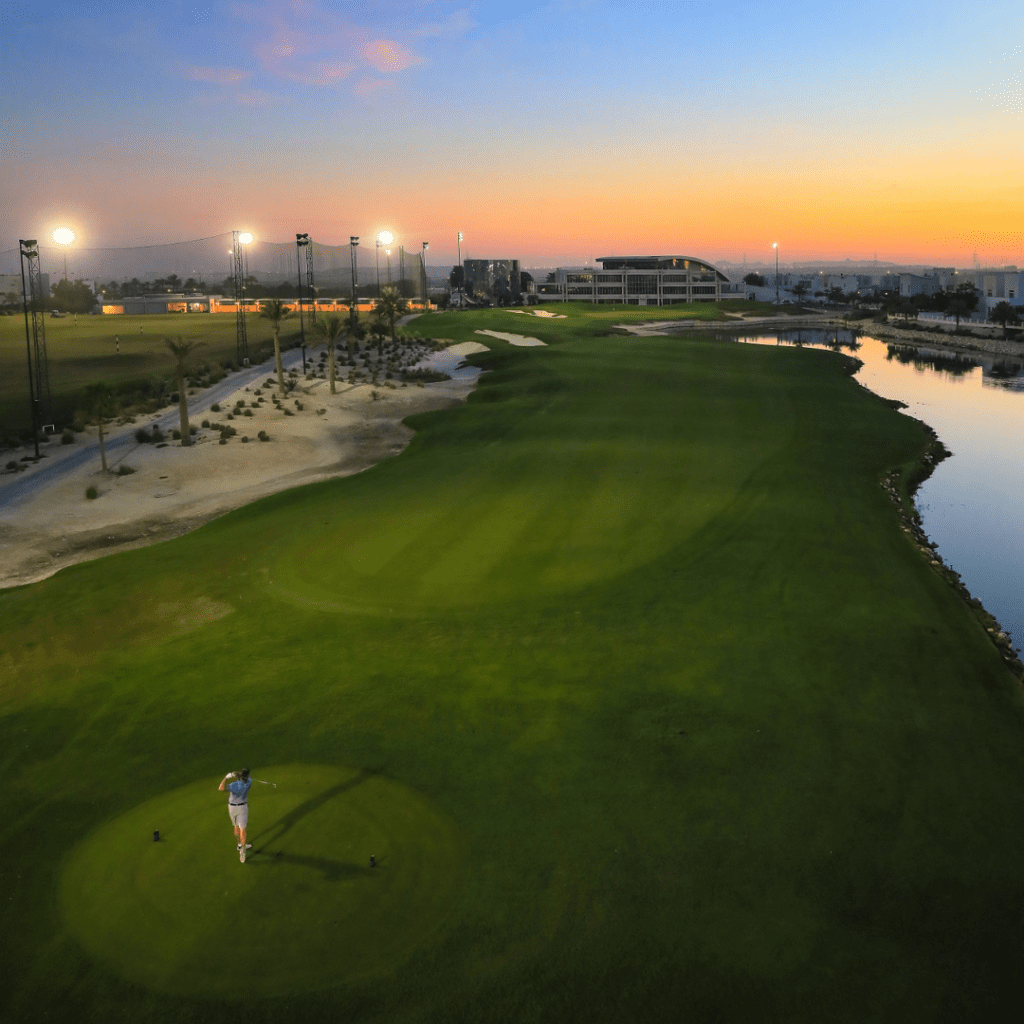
(640,281)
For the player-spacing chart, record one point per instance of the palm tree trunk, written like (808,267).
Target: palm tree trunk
(186,436)
(330,363)
(277,357)
(103,447)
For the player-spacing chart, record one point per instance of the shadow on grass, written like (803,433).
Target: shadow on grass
(280,828)
(333,870)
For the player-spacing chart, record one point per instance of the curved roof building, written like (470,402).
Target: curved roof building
(639,281)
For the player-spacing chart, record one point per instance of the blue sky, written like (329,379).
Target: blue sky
(561,126)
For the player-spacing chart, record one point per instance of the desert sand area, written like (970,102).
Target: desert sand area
(175,489)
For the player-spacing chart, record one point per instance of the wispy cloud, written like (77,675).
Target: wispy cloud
(306,42)
(370,86)
(388,57)
(217,76)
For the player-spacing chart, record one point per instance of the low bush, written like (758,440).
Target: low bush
(245,440)
(154,436)
(125,470)
(176,435)
(206,423)
(68,437)
(91,493)
(248,412)
(12,466)
(263,435)
(288,412)
(223,440)
(215,407)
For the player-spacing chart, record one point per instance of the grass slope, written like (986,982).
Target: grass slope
(641,622)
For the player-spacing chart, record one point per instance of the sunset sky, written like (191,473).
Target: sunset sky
(556,132)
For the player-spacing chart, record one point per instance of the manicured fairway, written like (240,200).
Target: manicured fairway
(670,722)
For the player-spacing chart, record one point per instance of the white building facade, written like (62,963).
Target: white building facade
(640,281)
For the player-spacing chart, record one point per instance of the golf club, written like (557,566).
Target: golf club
(274,784)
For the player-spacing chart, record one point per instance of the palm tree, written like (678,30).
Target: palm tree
(330,329)
(275,311)
(181,350)
(389,307)
(101,405)
(1003,313)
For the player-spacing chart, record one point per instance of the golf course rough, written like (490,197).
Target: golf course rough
(182,916)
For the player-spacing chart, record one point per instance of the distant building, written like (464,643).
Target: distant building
(10,284)
(640,281)
(493,277)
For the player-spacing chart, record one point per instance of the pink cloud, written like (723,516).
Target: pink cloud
(387,56)
(324,73)
(218,76)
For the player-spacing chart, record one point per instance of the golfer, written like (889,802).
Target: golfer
(238,784)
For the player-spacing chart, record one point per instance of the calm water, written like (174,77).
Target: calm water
(972,506)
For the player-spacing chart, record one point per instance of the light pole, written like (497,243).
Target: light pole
(301,241)
(775,246)
(353,243)
(423,264)
(29,248)
(64,237)
(384,238)
(461,274)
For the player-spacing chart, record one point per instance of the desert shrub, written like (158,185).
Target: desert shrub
(248,412)
(215,407)
(176,434)
(427,376)
(257,392)
(320,412)
(206,423)
(91,493)
(144,436)
(263,435)
(374,395)
(68,437)
(174,397)
(125,470)
(230,416)
(223,440)
(288,412)
(78,427)
(299,405)
(245,440)
(12,466)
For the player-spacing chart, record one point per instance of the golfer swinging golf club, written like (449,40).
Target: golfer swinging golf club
(238,785)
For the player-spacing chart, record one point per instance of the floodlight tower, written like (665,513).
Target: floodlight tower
(301,241)
(35,338)
(239,238)
(423,264)
(775,246)
(353,244)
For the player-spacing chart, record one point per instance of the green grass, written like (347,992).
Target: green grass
(80,353)
(638,619)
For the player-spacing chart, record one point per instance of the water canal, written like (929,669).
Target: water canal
(971,506)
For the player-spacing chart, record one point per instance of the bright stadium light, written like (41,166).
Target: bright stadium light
(63,236)
(385,238)
(245,238)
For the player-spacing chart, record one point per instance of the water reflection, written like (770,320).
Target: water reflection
(971,505)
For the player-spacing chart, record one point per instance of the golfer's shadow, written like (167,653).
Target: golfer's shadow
(333,870)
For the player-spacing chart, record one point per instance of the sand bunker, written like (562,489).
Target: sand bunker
(174,490)
(540,312)
(513,339)
(467,348)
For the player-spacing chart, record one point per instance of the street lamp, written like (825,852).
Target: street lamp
(64,237)
(353,242)
(461,275)
(423,264)
(775,246)
(29,250)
